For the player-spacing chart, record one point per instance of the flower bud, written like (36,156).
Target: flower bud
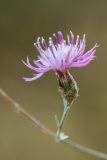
(67,87)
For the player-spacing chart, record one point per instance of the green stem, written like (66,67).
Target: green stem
(63,118)
(84,149)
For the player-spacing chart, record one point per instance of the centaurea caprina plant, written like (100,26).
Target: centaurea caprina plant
(59,56)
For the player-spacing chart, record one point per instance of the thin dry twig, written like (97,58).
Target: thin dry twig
(19,109)
(48,131)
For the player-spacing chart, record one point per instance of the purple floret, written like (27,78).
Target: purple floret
(60,55)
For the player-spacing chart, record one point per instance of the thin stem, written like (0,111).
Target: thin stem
(63,118)
(48,131)
(65,113)
(85,149)
(19,109)
(60,123)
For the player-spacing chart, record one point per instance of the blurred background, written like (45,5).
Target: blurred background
(21,22)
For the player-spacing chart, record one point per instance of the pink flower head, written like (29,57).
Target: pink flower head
(60,55)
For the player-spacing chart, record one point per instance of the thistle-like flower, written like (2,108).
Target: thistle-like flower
(60,55)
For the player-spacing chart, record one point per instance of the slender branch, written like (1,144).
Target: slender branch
(60,122)
(19,109)
(85,149)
